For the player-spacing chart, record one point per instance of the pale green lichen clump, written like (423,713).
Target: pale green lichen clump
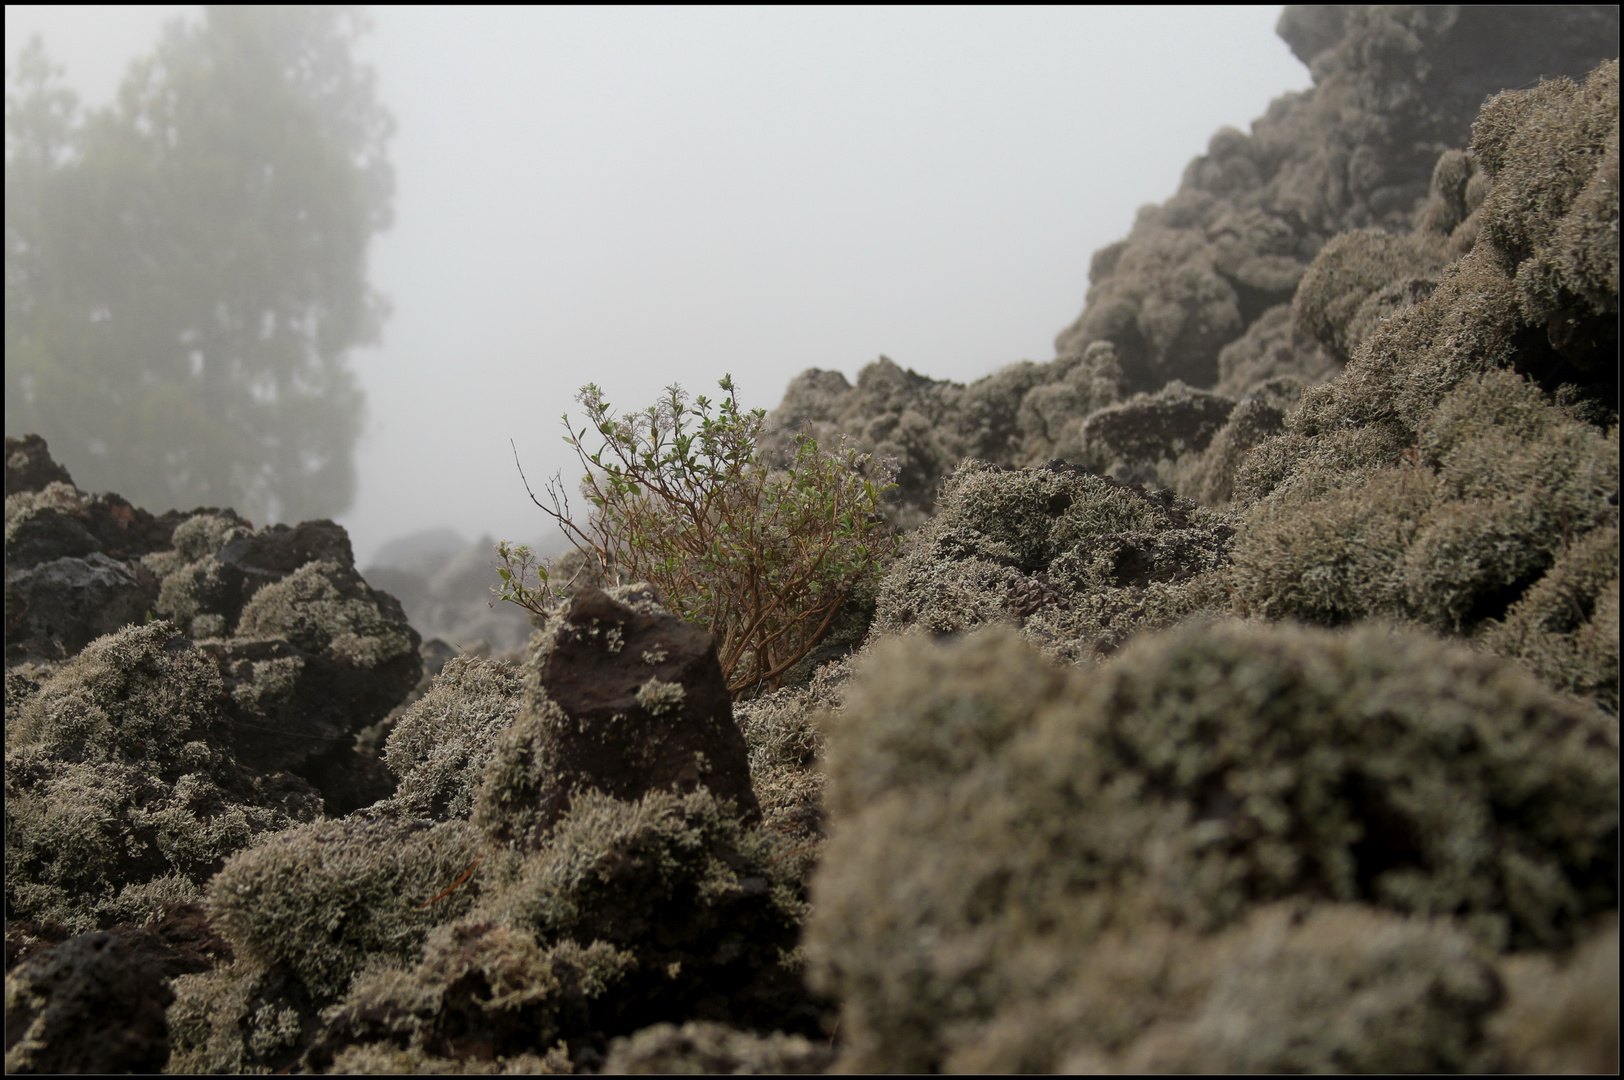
(117,798)
(1016,812)
(439,749)
(659,697)
(320,607)
(322,898)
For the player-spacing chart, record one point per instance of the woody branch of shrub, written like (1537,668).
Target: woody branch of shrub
(681,498)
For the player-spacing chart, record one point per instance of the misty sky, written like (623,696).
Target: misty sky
(636,197)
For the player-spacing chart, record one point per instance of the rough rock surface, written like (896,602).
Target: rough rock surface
(1463,472)
(57,991)
(1028,863)
(623,697)
(88,983)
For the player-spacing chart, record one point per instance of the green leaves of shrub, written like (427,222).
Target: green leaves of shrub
(682,498)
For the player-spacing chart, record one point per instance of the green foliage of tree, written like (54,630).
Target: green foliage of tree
(682,498)
(186,268)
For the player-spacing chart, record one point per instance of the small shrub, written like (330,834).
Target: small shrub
(683,499)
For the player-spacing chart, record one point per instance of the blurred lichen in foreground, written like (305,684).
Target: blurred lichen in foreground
(1018,850)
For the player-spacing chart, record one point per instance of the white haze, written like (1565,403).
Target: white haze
(641,197)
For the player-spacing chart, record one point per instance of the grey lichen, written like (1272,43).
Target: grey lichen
(474,977)
(1015,812)
(1469,453)
(1078,560)
(322,899)
(322,607)
(119,798)
(505,800)
(659,697)
(439,749)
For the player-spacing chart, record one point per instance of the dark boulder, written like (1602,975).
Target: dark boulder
(56,608)
(624,697)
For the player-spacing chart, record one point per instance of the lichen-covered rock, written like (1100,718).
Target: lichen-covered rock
(702,900)
(1463,462)
(120,794)
(1269,362)
(663,909)
(203,595)
(483,991)
(321,899)
(1005,835)
(317,657)
(899,416)
(1208,478)
(305,911)
(1357,151)
(58,520)
(620,696)
(60,990)
(73,568)
(29,466)
(440,747)
(1080,561)
(1294,987)
(310,655)
(669,905)
(1359,280)
(1566,627)
(1128,439)
(240,1018)
(785,747)
(1552,212)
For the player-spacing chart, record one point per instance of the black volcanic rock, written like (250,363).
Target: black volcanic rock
(624,697)
(99,983)
(29,466)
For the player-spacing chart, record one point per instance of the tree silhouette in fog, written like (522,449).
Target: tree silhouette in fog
(186,269)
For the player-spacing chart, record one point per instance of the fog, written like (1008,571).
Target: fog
(643,197)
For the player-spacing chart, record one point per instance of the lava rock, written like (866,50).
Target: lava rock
(93,982)
(29,466)
(621,696)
